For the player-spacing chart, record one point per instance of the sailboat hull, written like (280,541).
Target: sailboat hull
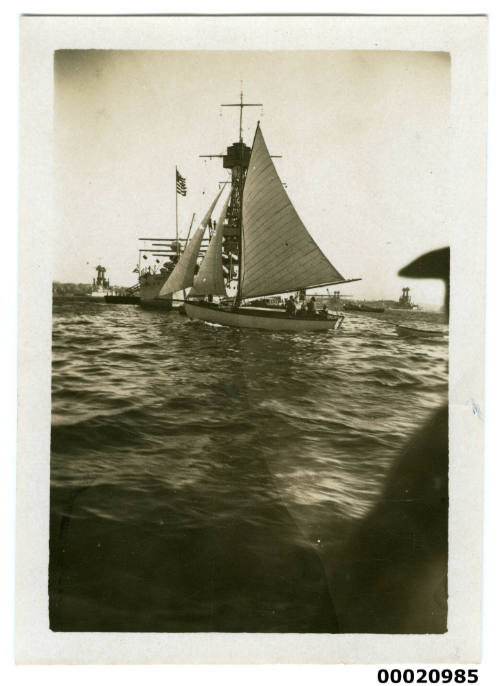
(255,318)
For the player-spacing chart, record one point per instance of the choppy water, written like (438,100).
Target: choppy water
(204,478)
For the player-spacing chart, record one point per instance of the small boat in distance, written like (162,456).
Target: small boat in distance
(275,254)
(412,332)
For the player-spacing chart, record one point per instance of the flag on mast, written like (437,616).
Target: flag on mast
(181,184)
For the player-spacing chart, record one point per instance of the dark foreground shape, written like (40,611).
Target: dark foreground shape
(393,577)
(432,265)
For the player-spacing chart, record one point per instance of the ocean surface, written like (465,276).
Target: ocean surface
(205,478)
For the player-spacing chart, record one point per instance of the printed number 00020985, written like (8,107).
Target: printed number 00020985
(433,676)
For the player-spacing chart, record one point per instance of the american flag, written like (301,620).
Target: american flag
(181,184)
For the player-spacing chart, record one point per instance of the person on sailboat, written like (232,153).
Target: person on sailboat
(311,306)
(290,306)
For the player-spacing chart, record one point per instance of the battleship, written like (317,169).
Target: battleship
(100,284)
(405,302)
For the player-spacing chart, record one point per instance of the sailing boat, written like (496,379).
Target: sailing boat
(182,275)
(275,252)
(152,292)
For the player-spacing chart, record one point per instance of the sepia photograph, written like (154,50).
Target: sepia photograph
(235,440)
(250,340)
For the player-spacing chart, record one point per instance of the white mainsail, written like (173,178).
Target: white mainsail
(183,272)
(279,255)
(210,278)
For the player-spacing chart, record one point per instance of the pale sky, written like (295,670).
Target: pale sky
(364,137)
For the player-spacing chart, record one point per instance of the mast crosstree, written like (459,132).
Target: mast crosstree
(241,105)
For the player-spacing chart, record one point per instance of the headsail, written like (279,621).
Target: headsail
(279,255)
(183,273)
(210,278)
